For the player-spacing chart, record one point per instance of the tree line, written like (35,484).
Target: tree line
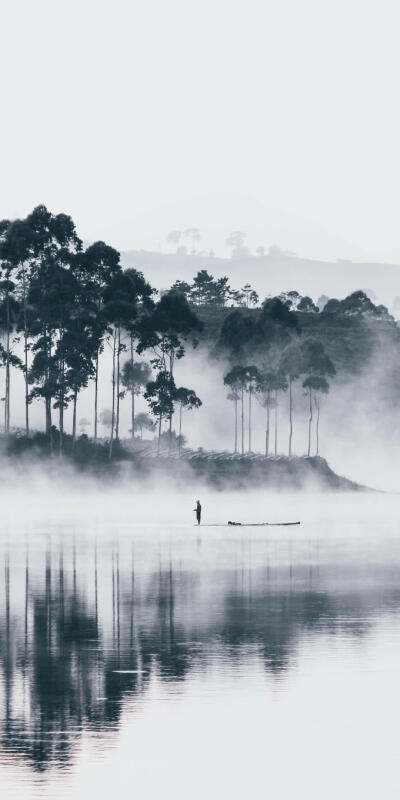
(269,356)
(279,359)
(62,306)
(205,290)
(67,304)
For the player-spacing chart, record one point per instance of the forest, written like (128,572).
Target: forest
(62,304)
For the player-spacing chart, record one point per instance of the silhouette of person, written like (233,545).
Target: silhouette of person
(198,511)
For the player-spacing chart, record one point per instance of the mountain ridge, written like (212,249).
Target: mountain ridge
(272,273)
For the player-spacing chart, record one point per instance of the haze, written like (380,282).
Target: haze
(279,119)
(136,647)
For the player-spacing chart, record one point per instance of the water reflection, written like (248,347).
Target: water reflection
(86,624)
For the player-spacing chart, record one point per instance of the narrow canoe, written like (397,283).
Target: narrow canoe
(247,524)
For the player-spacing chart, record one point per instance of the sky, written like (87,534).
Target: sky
(279,118)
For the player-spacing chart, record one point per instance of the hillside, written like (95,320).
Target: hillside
(272,273)
(351,341)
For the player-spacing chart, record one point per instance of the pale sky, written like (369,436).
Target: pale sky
(279,118)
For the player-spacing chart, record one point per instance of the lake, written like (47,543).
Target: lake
(143,656)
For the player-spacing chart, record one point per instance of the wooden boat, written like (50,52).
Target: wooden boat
(248,524)
(261,524)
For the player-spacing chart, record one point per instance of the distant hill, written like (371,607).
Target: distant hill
(272,273)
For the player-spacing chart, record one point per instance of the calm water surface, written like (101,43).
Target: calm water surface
(167,661)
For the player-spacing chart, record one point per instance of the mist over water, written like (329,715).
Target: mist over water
(359,432)
(141,652)
(141,655)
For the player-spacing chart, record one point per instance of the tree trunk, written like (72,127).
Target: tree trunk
(48,416)
(96,382)
(132,395)
(317,407)
(25,356)
(159,434)
(61,409)
(310,422)
(249,419)
(170,435)
(236,424)
(61,424)
(180,430)
(110,449)
(49,426)
(290,417)
(7,397)
(74,419)
(242,424)
(276,422)
(171,369)
(118,381)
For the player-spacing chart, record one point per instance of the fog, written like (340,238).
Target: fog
(141,653)
(36,504)
(277,271)
(132,643)
(359,420)
(276,118)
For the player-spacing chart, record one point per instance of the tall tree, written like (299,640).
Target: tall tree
(120,309)
(291,365)
(13,249)
(270,383)
(323,388)
(236,379)
(17,248)
(80,346)
(186,398)
(314,385)
(160,395)
(98,265)
(142,293)
(135,376)
(67,290)
(263,395)
(9,314)
(234,397)
(317,366)
(253,382)
(52,294)
(280,386)
(240,379)
(165,331)
(125,298)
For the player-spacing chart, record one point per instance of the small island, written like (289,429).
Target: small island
(79,330)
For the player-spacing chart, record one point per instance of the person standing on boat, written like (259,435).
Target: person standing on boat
(198,511)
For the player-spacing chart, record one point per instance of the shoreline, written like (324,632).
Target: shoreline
(212,469)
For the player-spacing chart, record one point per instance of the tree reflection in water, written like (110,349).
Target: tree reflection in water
(77,644)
